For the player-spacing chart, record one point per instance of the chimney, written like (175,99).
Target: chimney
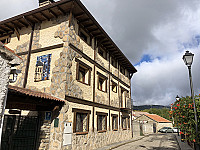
(45,2)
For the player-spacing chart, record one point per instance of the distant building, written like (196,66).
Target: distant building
(137,114)
(153,122)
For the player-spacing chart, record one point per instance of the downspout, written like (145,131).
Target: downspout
(94,72)
(131,110)
(109,91)
(28,57)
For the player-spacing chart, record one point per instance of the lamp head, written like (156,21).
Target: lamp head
(188,58)
(177,97)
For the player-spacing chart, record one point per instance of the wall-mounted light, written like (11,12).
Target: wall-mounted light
(14,73)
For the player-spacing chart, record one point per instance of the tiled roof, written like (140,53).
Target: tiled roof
(1,44)
(139,113)
(32,93)
(157,118)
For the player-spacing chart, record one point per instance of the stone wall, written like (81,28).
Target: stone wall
(94,140)
(4,79)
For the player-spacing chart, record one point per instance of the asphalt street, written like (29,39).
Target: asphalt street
(153,142)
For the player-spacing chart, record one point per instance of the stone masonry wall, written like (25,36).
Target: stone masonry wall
(4,78)
(94,140)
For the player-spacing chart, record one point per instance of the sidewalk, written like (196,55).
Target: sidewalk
(117,144)
(182,145)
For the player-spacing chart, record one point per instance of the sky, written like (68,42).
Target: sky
(153,34)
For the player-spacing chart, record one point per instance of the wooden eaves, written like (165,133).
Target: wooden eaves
(62,7)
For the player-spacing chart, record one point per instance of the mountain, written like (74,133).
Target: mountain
(142,107)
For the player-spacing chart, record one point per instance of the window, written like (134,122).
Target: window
(114,122)
(113,62)
(122,70)
(102,53)
(125,122)
(101,121)
(81,120)
(84,36)
(42,70)
(102,82)
(83,73)
(114,86)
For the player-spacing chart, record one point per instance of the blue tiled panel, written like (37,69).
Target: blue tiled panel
(44,61)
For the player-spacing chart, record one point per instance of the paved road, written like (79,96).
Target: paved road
(153,142)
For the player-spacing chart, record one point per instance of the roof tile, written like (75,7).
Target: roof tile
(157,118)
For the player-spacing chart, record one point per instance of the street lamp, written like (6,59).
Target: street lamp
(177,98)
(188,59)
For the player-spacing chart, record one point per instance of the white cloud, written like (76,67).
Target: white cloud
(157,28)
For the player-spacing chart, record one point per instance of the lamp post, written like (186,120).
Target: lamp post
(177,98)
(188,59)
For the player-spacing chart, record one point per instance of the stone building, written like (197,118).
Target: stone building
(152,122)
(68,56)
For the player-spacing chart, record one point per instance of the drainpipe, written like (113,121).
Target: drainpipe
(28,57)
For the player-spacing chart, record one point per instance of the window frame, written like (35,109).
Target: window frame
(104,78)
(114,115)
(101,114)
(114,84)
(84,66)
(115,62)
(80,111)
(84,33)
(127,119)
(122,69)
(104,55)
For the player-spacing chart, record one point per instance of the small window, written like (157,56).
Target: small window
(102,82)
(114,86)
(42,69)
(125,122)
(113,62)
(102,53)
(81,120)
(122,70)
(84,36)
(115,122)
(83,73)
(101,121)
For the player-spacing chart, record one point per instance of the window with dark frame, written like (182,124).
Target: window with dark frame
(114,87)
(102,53)
(81,121)
(83,36)
(101,122)
(113,62)
(102,82)
(122,70)
(115,122)
(83,72)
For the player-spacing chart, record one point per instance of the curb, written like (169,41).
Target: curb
(177,142)
(127,142)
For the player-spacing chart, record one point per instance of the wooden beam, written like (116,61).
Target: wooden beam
(53,13)
(37,19)
(84,20)
(15,25)
(61,10)
(79,15)
(17,33)
(70,14)
(28,21)
(24,24)
(45,16)
(93,30)
(5,29)
(9,27)
(89,25)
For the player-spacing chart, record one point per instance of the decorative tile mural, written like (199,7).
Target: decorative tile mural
(42,70)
